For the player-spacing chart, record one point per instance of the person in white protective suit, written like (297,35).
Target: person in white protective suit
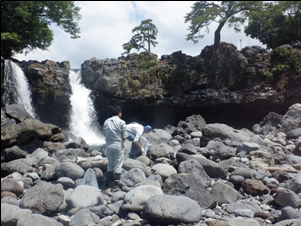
(135,132)
(115,132)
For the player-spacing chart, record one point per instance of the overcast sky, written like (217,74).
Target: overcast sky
(106,25)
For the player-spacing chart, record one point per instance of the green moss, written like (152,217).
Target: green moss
(146,60)
(280,68)
(144,92)
(135,84)
(286,66)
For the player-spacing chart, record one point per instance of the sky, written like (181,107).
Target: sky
(106,25)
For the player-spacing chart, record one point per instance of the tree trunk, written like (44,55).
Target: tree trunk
(217,35)
(148,41)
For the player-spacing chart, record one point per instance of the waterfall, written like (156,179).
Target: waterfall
(83,120)
(17,89)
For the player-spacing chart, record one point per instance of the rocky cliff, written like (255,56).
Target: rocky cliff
(224,86)
(50,88)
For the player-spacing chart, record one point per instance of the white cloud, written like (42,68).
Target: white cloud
(107,25)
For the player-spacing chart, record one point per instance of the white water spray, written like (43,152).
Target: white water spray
(17,89)
(83,121)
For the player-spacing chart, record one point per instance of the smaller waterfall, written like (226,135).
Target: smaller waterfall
(17,89)
(83,120)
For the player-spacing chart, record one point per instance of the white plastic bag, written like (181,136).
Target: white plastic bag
(145,144)
(90,178)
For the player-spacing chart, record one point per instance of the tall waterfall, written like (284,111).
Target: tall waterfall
(83,120)
(17,89)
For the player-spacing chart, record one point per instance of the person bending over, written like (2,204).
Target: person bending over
(135,131)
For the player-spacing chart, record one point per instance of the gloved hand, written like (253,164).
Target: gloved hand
(142,149)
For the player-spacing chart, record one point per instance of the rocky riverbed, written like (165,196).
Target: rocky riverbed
(194,173)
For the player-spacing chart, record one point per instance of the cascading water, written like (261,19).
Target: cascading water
(17,89)
(83,121)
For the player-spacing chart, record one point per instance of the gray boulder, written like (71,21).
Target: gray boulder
(173,209)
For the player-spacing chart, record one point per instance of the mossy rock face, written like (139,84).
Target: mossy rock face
(179,74)
(226,67)
(286,67)
(203,80)
(222,76)
(250,67)
(123,78)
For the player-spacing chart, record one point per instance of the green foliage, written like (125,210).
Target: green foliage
(144,34)
(135,85)
(144,92)
(280,68)
(203,13)
(25,24)
(141,76)
(286,68)
(228,68)
(276,24)
(181,75)
(145,60)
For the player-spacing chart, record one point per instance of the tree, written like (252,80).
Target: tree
(203,13)
(277,23)
(145,33)
(25,24)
